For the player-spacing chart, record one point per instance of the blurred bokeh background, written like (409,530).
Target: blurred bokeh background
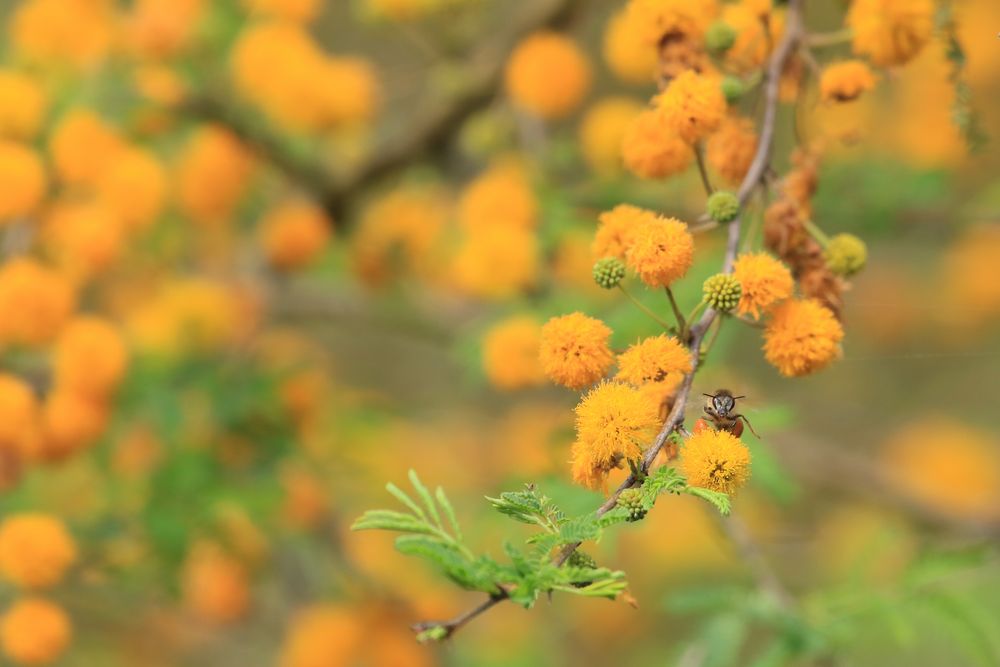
(246,282)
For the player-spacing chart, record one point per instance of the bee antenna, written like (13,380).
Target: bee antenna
(709,395)
(737,397)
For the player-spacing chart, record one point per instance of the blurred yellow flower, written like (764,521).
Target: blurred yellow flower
(715,460)
(71,423)
(631,60)
(692,105)
(652,147)
(802,337)
(322,636)
(547,75)
(511,353)
(730,149)
(501,195)
(602,132)
(617,228)
(134,185)
(18,415)
(22,181)
(215,584)
(496,262)
(42,298)
(290,10)
(212,175)
(294,234)
(574,350)
(74,32)
(82,145)
(90,357)
(34,632)
(84,236)
(890,32)
(36,550)
(845,81)
(23,103)
(652,20)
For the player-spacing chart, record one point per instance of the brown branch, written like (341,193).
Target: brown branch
(430,133)
(754,175)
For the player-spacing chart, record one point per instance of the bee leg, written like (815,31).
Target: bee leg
(747,421)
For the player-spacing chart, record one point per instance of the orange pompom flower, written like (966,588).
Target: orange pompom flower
(212,175)
(890,32)
(574,350)
(845,81)
(731,149)
(661,250)
(294,234)
(18,414)
(42,298)
(501,195)
(602,132)
(134,185)
(617,227)
(22,181)
(653,360)
(802,337)
(81,146)
(613,422)
(511,353)
(71,423)
(74,32)
(764,283)
(215,584)
(85,237)
(322,636)
(22,105)
(631,60)
(547,75)
(692,105)
(34,631)
(36,550)
(715,460)
(497,262)
(652,148)
(90,358)
(654,19)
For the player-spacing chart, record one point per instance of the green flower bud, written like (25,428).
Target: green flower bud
(846,254)
(581,559)
(723,206)
(720,37)
(608,272)
(732,89)
(722,292)
(631,500)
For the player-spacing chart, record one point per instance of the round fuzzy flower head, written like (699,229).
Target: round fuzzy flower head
(510,354)
(661,251)
(715,460)
(215,584)
(294,235)
(802,337)
(653,360)
(845,81)
(212,175)
(502,195)
(35,550)
(22,105)
(42,298)
(574,350)
(655,19)
(846,254)
(496,262)
(18,413)
(613,422)
(731,148)
(34,632)
(631,60)
(616,229)
(693,105)
(22,181)
(764,282)
(547,75)
(723,206)
(652,148)
(90,357)
(890,32)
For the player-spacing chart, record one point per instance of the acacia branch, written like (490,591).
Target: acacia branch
(675,419)
(429,134)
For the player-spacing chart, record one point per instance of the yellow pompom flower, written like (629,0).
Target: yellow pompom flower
(613,422)
(655,19)
(74,32)
(496,262)
(81,146)
(22,105)
(161,29)
(18,414)
(947,465)
(802,337)
(212,175)
(715,460)
(764,282)
(661,250)
(22,181)
(215,584)
(502,195)
(652,148)
(754,34)
(90,358)
(845,81)
(322,636)
(602,131)
(890,32)
(731,148)
(511,353)
(71,423)
(84,237)
(547,75)
(574,350)
(654,359)
(134,185)
(36,550)
(693,105)
(289,10)
(630,59)
(34,632)
(294,234)
(42,298)
(616,229)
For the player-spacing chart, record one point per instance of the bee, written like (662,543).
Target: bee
(720,410)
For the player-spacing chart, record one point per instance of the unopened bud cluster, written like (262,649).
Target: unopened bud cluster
(631,501)
(846,254)
(722,292)
(608,272)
